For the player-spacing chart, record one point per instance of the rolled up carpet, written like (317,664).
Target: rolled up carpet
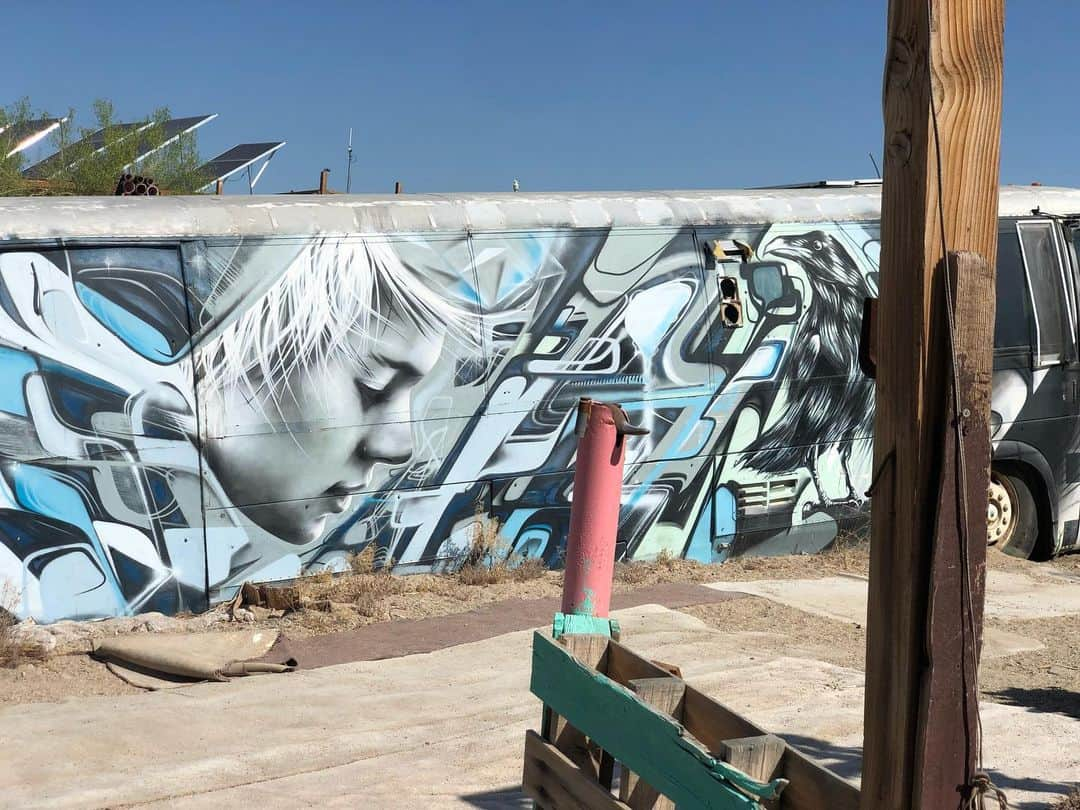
(168,661)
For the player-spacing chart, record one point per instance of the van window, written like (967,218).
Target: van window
(1046,284)
(1012,319)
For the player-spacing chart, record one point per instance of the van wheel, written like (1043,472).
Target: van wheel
(1012,523)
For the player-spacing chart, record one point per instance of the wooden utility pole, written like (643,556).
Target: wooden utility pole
(931,451)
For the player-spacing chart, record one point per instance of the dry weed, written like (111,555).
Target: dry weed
(364,562)
(320,577)
(486,561)
(665,567)
(530,568)
(13,650)
(850,550)
(1070,802)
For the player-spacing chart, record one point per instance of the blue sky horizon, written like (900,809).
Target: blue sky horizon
(470,95)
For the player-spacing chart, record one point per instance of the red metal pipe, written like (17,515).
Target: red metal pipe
(594,510)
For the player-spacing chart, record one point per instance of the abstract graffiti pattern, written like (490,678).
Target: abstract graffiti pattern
(177,419)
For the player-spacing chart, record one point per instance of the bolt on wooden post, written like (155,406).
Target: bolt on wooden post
(943,56)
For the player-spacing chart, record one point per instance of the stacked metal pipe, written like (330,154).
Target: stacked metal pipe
(135,185)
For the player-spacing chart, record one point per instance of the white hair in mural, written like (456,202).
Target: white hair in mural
(333,302)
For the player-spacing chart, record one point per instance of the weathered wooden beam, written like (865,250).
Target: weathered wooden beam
(811,786)
(591,650)
(636,734)
(951,63)
(759,757)
(555,783)
(666,695)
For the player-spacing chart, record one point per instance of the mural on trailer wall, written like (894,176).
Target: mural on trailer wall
(179,419)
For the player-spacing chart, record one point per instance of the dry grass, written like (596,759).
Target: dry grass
(666,567)
(364,590)
(1070,802)
(502,571)
(486,561)
(13,650)
(364,562)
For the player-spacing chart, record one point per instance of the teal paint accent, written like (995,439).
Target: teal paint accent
(588,607)
(700,546)
(574,624)
(634,733)
(724,513)
(14,366)
(136,333)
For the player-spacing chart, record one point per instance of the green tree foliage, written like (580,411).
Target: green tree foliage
(11,166)
(95,156)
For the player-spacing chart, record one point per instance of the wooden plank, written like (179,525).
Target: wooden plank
(959,53)
(757,757)
(666,695)
(634,733)
(552,781)
(624,665)
(945,742)
(590,650)
(811,786)
(670,669)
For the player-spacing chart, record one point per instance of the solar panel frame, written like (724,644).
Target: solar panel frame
(24,134)
(236,159)
(172,130)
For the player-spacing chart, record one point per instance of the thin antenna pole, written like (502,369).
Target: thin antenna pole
(348,165)
(877,171)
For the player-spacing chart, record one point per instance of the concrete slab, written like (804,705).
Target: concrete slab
(1012,595)
(1009,595)
(843,598)
(442,729)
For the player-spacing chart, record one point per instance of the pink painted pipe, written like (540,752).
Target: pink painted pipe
(594,511)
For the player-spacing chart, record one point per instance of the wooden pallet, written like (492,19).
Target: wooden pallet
(676,747)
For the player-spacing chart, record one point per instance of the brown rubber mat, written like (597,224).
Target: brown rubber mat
(411,636)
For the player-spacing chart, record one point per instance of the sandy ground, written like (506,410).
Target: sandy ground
(444,729)
(1046,676)
(356,735)
(347,602)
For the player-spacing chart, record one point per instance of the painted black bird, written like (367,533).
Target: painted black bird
(829,400)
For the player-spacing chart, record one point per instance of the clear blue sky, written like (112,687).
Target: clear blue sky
(463,96)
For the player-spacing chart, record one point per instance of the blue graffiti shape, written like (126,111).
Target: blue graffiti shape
(51,494)
(14,366)
(137,294)
(76,396)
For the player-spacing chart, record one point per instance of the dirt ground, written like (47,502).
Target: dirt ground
(1049,677)
(1046,679)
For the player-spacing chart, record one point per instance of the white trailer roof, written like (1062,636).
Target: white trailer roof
(43,218)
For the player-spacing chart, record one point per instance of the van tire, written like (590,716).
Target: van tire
(1010,493)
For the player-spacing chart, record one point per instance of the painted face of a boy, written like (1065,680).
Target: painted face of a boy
(331,426)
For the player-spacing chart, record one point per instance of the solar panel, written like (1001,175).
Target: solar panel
(20,136)
(45,168)
(171,130)
(237,159)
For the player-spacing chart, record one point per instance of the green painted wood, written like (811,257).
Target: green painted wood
(649,743)
(574,623)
